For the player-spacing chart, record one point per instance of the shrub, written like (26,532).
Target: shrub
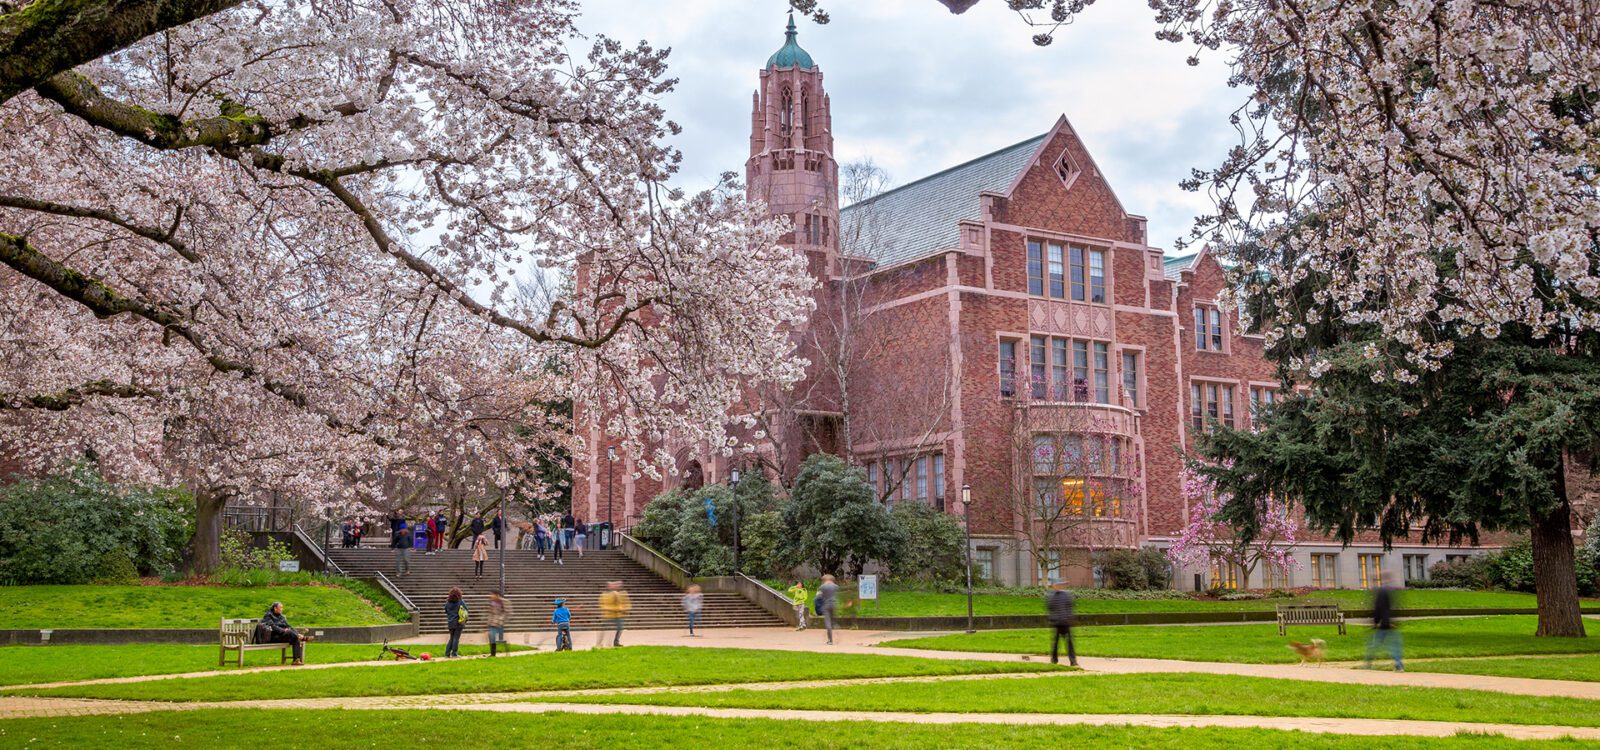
(763,539)
(1123,569)
(1512,568)
(835,519)
(1241,596)
(61,529)
(237,553)
(1470,573)
(934,545)
(114,568)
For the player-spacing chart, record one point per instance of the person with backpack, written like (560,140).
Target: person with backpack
(274,628)
(455,618)
(827,602)
(1063,614)
(562,619)
(480,555)
(499,610)
(798,596)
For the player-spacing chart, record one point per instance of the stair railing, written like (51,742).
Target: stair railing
(389,587)
(318,552)
(767,598)
(658,563)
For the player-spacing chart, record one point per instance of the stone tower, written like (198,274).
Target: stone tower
(791,164)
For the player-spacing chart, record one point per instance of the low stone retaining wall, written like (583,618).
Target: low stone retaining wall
(192,636)
(1004,622)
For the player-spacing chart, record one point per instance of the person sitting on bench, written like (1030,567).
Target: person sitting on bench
(276,629)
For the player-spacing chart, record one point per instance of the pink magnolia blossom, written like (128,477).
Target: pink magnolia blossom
(1205,539)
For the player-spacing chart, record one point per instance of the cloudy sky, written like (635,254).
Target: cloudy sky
(917,89)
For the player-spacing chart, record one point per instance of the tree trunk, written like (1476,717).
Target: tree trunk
(206,546)
(1555,578)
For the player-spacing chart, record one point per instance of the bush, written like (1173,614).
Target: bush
(64,529)
(114,568)
(1471,573)
(238,554)
(1242,596)
(763,539)
(675,524)
(1131,570)
(836,522)
(934,545)
(1512,567)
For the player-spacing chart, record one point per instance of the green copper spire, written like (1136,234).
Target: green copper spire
(790,55)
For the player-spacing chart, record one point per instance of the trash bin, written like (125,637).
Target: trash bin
(600,533)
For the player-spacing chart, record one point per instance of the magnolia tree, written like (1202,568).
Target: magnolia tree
(1210,539)
(276,244)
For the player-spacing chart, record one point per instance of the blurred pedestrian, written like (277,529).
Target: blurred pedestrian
(799,597)
(1063,615)
(581,535)
(402,550)
(1383,626)
(614,608)
(693,602)
(827,603)
(433,533)
(499,610)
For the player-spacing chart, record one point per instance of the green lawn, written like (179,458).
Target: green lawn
(467,730)
(1584,668)
(29,664)
(632,666)
(1259,643)
(929,604)
(1152,694)
(178,606)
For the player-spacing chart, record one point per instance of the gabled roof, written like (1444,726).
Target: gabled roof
(1173,267)
(923,217)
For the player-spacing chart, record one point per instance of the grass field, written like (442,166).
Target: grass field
(1151,694)
(29,664)
(467,730)
(1260,643)
(632,666)
(1583,668)
(178,606)
(930,604)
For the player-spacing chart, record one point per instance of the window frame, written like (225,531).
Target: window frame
(1007,367)
(1097,284)
(1036,268)
(1056,270)
(1130,389)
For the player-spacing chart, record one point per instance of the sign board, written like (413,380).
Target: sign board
(868,588)
(289,566)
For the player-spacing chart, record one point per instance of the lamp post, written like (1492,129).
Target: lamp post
(611,523)
(733,481)
(966,516)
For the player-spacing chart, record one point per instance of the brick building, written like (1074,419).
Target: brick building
(1002,325)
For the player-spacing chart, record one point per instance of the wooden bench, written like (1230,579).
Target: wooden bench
(238,634)
(1309,614)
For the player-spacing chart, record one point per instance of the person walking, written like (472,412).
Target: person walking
(1383,629)
(433,533)
(614,608)
(276,629)
(1063,615)
(693,602)
(827,603)
(568,523)
(402,550)
(344,534)
(562,619)
(582,535)
(477,528)
(555,543)
(480,555)
(798,596)
(455,618)
(541,536)
(498,528)
(499,610)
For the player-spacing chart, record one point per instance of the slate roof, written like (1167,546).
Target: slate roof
(920,218)
(1172,267)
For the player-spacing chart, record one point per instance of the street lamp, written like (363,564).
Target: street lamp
(611,463)
(733,481)
(966,515)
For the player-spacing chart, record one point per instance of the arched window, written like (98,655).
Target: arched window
(805,110)
(785,111)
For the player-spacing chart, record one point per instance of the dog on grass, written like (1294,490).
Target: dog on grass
(1312,651)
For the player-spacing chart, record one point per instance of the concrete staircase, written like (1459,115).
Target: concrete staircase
(533,585)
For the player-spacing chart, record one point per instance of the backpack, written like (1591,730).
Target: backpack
(461,613)
(816,604)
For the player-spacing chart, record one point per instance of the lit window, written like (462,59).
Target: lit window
(1325,571)
(1275,576)
(1371,570)
(1035,267)
(1224,575)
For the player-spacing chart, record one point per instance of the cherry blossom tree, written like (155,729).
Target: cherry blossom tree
(276,244)
(1208,538)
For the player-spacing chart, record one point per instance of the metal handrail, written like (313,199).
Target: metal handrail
(322,555)
(393,590)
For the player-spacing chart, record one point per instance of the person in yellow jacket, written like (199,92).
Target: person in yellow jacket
(614,608)
(797,597)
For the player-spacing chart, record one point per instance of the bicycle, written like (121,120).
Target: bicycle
(563,638)
(400,654)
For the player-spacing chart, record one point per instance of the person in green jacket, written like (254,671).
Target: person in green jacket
(797,596)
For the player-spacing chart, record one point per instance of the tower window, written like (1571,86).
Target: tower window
(785,112)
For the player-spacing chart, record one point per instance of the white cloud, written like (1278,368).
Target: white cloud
(918,89)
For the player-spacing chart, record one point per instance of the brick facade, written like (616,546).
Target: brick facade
(924,380)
